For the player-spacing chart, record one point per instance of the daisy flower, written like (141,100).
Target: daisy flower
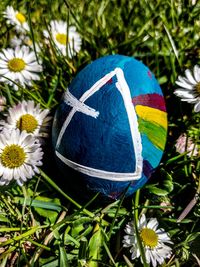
(24,40)
(18,65)
(185,144)
(16,18)
(189,90)
(66,39)
(20,156)
(16,41)
(29,117)
(152,238)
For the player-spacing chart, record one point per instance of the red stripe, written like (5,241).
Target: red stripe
(150,100)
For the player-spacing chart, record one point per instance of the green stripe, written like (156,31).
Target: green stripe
(156,133)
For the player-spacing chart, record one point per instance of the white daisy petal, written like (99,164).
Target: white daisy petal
(183,93)
(129,228)
(197,107)
(3,63)
(184,85)
(197,73)
(64,43)
(153,223)
(128,240)
(153,260)
(20,182)
(190,77)
(30,57)
(189,90)
(143,221)
(8,54)
(3,71)
(34,68)
(147,254)
(20,66)
(17,19)
(190,100)
(28,117)
(134,252)
(16,168)
(153,240)
(183,80)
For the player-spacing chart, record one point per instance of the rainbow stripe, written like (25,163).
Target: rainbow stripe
(152,119)
(153,100)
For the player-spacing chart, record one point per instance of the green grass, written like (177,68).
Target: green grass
(41,224)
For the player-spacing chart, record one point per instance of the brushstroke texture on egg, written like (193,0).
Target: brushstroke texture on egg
(111,126)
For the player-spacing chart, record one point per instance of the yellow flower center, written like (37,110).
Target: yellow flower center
(27,122)
(197,88)
(13,156)
(61,38)
(28,42)
(149,237)
(16,64)
(20,17)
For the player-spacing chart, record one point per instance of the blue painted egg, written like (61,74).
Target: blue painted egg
(110,127)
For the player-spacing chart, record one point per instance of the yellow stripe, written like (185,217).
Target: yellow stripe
(152,115)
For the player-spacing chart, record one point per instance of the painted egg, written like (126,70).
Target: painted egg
(109,131)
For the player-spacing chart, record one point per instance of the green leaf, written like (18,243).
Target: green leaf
(69,239)
(79,226)
(164,187)
(51,263)
(40,202)
(95,246)
(192,237)
(167,181)
(63,261)
(3,218)
(46,205)
(82,254)
(157,191)
(162,79)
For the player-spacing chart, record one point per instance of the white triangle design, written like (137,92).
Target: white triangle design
(79,106)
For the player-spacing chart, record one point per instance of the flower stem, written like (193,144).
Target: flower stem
(9,94)
(23,206)
(141,248)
